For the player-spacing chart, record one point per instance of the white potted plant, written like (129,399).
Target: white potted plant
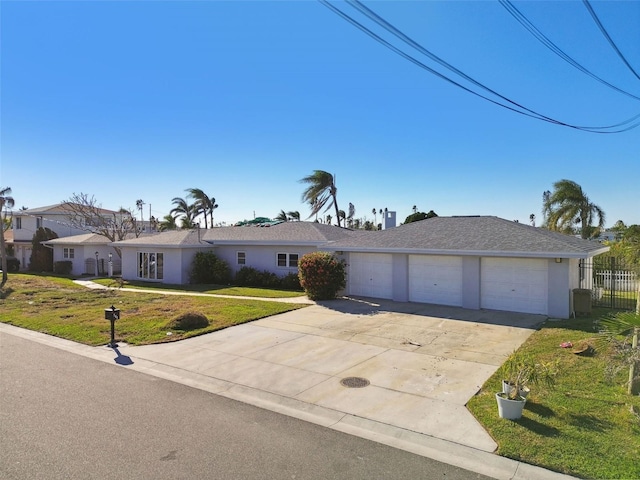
(518,372)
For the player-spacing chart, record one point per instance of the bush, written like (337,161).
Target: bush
(251,277)
(41,257)
(62,267)
(321,275)
(207,268)
(291,281)
(189,321)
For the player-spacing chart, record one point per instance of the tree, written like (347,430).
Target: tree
(415,209)
(139,205)
(375,216)
(41,257)
(294,215)
(168,223)
(184,211)
(6,202)
(416,217)
(86,214)
(321,192)
(282,216)
(568,205)
(532,220)
(203,204)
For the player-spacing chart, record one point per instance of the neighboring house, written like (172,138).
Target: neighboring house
(470,262)
(85,252)
(54,217)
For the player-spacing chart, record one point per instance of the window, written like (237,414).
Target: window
(150,266)
(242,258)
(68,253)
(18,224)
(287,260)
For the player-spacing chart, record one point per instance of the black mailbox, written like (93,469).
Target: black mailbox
(112,313)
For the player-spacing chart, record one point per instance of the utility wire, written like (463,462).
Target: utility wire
(606,35)
(406,39)
(526,23)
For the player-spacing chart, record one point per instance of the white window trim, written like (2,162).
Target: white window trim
(68,253)
(244,255)
(139,258)
(287,259)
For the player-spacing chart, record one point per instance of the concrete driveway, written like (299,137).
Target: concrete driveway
(420,363)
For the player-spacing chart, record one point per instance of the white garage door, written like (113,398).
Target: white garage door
(514,284)
(435,279)
(370,275)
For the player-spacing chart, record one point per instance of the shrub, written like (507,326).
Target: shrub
(207,268)
(291,281)
(41,259)
(62,267)
(189,321)
(321,275)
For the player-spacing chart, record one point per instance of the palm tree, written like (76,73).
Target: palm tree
(6,201)
(568,205)
(139,205)
(532,220)
(375,216)
(294,215)
(183,209)
(282,216)
(414,208)
(320,192)
(168,223)
(202,205)
(352,212)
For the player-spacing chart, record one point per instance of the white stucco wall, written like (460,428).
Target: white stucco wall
(559,289)
(176,263)
(260,257)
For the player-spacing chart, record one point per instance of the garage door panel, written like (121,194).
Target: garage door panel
(514,284)
(370,275)
(435,279)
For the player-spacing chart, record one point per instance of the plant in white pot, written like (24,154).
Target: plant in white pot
(518,372)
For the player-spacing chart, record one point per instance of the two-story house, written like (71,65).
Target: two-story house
(54,217)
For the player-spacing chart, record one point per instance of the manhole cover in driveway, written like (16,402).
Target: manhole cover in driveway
(354,382)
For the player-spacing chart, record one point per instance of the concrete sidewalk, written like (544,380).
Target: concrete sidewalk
(422,364)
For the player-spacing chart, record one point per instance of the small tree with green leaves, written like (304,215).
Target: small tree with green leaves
(41,257)
(321,275)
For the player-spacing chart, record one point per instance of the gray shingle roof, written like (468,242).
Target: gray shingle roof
(285,233)
(472,235)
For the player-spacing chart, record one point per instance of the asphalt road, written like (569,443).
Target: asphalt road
(63,416)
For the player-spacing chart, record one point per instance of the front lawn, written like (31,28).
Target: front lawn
(59,307)
(587,426)
(213,289)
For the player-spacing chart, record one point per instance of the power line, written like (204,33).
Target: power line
(526,23)
(517,108)
(606,35)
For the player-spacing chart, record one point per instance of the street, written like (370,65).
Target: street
(68,416)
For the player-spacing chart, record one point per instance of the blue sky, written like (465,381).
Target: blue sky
(141,100)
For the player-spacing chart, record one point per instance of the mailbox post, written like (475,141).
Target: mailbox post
(112,314)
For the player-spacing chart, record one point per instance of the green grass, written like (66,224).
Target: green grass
(212,289)
(587,426)
(59,307)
